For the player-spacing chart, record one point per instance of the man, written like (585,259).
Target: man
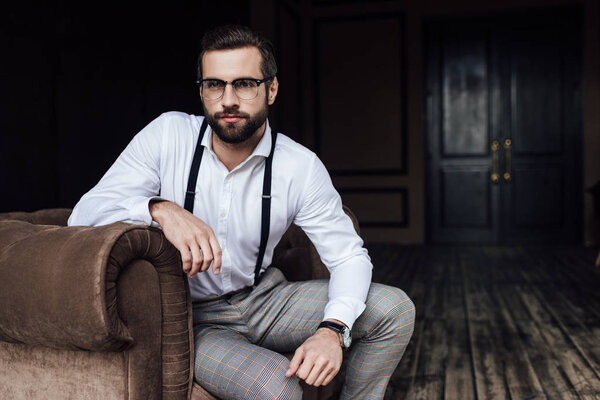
(214,208)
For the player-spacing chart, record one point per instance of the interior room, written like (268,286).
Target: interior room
(463,135)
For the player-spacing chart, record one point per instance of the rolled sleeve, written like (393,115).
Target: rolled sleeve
(138,209)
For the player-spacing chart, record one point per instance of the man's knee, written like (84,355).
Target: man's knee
(271,384)
(230,367)
(256,375)
(392,311)
(275,386)
(266,387)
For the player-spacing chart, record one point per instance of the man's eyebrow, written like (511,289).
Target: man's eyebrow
(236,79)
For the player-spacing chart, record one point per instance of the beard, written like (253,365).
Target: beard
(236,132)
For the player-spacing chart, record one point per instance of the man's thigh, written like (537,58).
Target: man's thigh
(230,367)
(294,310)
(380,334)
(289,315)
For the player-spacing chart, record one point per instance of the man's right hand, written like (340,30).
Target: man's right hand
(194,239)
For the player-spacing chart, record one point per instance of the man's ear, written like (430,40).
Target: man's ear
(272,91)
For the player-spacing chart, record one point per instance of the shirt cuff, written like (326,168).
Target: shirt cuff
(139,210)
(344,309)
(153,223)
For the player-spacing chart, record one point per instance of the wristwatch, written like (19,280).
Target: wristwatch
(341,329)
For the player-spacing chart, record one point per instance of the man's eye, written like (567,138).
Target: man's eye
(245,83)
(212,84)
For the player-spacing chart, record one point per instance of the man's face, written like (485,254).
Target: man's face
(234,120)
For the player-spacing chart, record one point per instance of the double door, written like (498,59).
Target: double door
(503,126)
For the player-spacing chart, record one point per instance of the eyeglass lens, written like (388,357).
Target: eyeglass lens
(245,89)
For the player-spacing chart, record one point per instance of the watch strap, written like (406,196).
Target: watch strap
(342,330)
(339,328)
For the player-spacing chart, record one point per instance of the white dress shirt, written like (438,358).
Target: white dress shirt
(156,165)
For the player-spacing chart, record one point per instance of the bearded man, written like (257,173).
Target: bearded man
(223,188)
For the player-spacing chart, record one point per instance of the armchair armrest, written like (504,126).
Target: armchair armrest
(47,216)
(99,289)
(58,284)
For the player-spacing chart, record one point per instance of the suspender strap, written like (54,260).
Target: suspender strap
(266,210)
(266,195)
(191,188)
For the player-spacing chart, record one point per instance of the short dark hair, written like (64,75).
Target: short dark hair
(230,37)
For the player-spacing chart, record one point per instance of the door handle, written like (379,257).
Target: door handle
(508,159)
(495,175)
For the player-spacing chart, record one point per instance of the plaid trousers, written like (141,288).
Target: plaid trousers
(238,338)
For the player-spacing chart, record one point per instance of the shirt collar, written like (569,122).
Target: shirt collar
(263,148)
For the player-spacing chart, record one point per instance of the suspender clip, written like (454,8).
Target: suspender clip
(266,196)
(190,192)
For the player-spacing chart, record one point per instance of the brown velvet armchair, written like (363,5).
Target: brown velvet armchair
(105,312)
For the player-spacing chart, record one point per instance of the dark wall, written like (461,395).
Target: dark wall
(78,83)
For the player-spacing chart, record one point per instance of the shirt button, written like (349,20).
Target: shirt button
(222,215)
(226,275)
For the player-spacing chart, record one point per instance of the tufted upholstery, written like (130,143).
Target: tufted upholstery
(105,312)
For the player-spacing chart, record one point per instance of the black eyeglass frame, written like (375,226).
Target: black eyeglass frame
(257,81)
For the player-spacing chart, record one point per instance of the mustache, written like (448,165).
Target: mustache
(231,112)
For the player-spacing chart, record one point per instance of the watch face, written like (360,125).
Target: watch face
(346,337)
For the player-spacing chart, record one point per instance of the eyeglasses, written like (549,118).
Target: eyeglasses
(244,88)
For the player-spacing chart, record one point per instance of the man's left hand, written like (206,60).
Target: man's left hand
(318,360)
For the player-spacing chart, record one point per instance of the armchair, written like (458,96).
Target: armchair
(105,312)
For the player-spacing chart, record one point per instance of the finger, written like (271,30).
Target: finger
(186,258)
(305,368)
(324,375)
(315,372)
(207,254)
(196,260)
(217,254)
(330,377)
(295,363)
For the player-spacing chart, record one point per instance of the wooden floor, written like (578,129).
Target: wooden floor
(497,322)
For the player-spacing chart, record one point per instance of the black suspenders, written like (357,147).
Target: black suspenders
(266,209)
(191,188)
(266,195)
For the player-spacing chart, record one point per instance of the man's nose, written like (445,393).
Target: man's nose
(229,97)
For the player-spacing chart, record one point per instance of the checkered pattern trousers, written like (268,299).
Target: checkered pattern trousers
(238,338)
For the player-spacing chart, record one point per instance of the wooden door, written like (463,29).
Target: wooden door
(504,128)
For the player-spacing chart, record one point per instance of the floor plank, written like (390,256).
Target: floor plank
(496,322)
(459,383)
(486,345)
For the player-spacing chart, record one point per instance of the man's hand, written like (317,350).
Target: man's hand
(318,360)
(194,239)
